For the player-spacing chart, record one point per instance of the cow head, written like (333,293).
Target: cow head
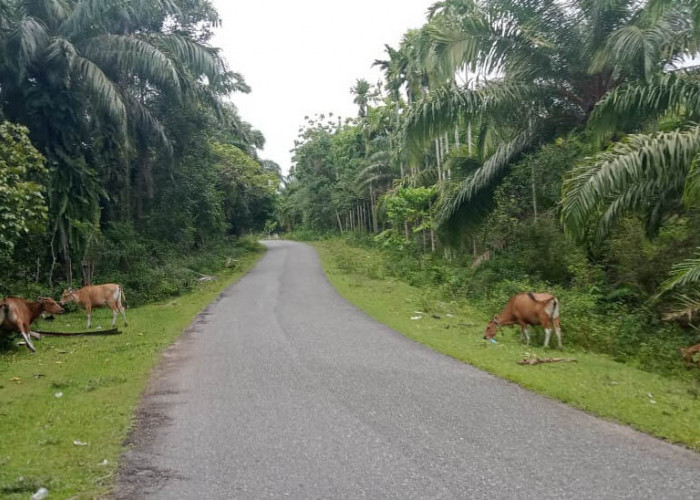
(491,328)
(50,305)
(68,295)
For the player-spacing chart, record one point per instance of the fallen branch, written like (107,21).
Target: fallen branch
(111,331)
(539,361)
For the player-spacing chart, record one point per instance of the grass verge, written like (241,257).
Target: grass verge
(85,390)
(667,407)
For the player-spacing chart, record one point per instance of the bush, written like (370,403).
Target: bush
(149,270)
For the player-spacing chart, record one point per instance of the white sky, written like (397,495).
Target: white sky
(302,56)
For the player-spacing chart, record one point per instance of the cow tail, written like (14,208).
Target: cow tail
(122,297)
(555,308)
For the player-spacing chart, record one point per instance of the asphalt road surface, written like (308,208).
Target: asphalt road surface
(283,389)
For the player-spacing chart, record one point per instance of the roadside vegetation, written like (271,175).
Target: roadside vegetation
(665,404)
(122,157)
(66,410)
(517,146)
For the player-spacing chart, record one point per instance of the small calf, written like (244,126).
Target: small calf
(18,314)
(527,309)
(109,295)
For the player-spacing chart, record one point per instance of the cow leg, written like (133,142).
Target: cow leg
(557,329)
(547,335)
(526,330)
(35,335)
(88,310)
(123,311)
(28,341)
(114,317)
(547,329)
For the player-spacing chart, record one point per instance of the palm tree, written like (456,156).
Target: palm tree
(362,92)
(541,69)
(80,73)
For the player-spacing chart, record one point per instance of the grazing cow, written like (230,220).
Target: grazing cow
(688,353)
(109,295)
(17,315)
(527,309)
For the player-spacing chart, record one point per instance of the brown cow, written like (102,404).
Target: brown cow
(18,314)
(109,295)
(527,309)
(688,353)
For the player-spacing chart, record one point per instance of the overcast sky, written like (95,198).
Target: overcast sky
(302,56)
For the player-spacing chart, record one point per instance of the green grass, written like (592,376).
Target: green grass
(667,407)
(101,380)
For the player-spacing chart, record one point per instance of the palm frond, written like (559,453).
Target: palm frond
(92,17)
(640,167)
(684,273)
(103,91)
(24,45)
(492,169)
(51,11)
(691,193)
(687,307)
(632,104)
(128,54)
(199,59)
(635,49)
(438,111)
(146,123)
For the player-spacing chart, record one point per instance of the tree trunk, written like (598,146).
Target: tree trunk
(437,158)
(469,138)
(361,216)
(340,225)
(534,191)
(374,212)
(88,268)
(432,231)
(144,182)
(446,151)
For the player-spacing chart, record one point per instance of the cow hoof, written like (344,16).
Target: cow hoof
(494,341)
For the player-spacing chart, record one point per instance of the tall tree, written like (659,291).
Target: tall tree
(541,69)
(82,75)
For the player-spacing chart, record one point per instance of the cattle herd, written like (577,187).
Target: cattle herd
(17,314)
(524,310)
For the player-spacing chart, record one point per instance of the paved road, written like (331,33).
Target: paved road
(283,389)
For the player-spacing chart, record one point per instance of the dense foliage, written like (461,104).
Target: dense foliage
(119,152)
(518,145)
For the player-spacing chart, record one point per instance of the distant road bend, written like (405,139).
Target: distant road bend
(283,389)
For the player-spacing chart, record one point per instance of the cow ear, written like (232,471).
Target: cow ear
(495,317)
